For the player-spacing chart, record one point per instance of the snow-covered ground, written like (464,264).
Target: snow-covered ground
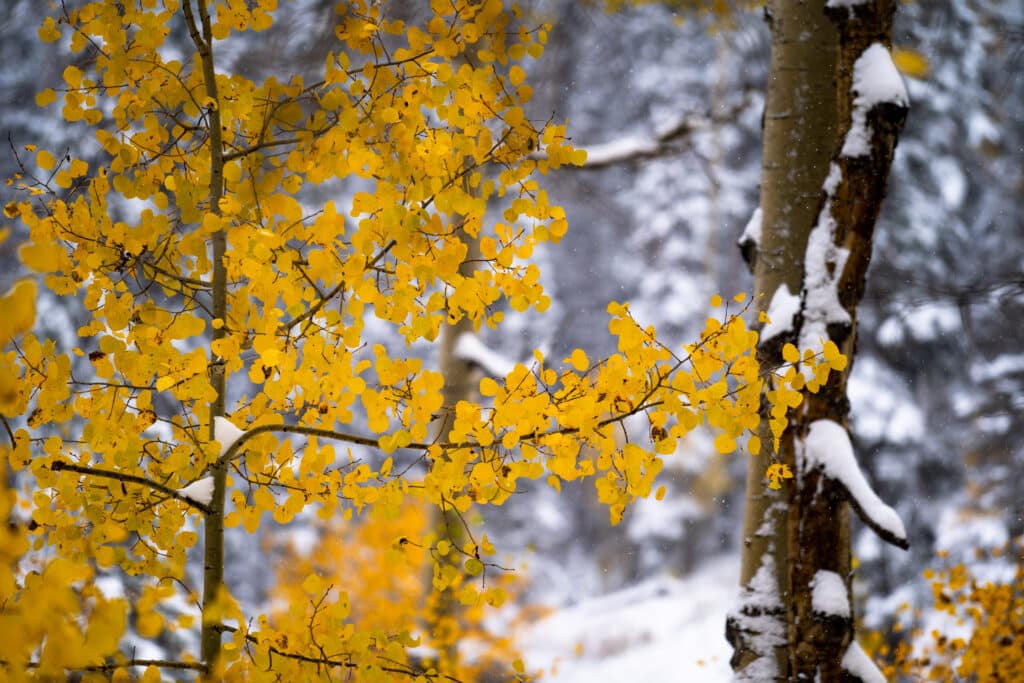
(663,629)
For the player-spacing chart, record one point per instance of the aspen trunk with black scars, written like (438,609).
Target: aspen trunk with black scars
(798,140)
(811,183)
(818,520)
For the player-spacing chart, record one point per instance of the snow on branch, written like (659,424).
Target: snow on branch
(875,81)
(469,348)
(225,433)
(827,445)
(199,491)
(857,663)
(636,148)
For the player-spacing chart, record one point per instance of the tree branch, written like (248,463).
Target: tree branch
(632,149)
(62,466)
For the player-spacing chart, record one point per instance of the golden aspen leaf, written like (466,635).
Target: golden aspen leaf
(46,97)
(19,310)
(73,76)
(49,32)
(716,301)
(660,493)
(578,359)
(740,298)
(911,62)
(42,257)
(754,445)
(45,160)
(150,624)
(233,172)
(516,75)
(790,354)
(313,585)
(835,359)
(725,444)
(488,387)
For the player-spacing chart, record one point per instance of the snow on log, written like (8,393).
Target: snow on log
(199,491)
(469,348)
(829,595)
(827,445)
(875,81)
(857,663)
(225,433)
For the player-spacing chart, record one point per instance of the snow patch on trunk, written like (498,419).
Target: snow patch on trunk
(829,595)
(875,80)
(784,305)
(469,348)
(823,267)
(758,613)
(857,663)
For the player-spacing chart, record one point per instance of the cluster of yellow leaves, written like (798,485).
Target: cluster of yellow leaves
(369,578)
(991,612)
(41,602)
(418,124)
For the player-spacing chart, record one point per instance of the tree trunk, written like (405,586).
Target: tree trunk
(821,193)
(460,384)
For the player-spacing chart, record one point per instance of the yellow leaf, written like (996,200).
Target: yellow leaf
(19,310)
(725,444)
(45,160)
(790,354)
(579,360)
(42,257)
(49,32)
(45,97)
(313,585)
(488,387)
(73,76)
(911,62)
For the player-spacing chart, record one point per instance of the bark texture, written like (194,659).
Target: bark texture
(805,528)
(799,139)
